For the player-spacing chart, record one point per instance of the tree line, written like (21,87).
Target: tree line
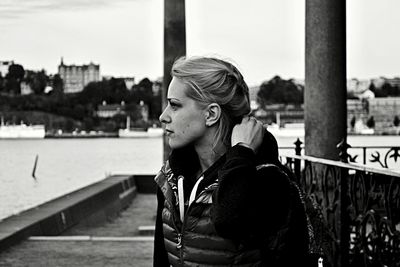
(278,90)
(76,110)
(79,109)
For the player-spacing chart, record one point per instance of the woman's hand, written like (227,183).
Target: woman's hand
(249,132)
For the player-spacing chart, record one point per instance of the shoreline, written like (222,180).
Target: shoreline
(71,135)
(115,135)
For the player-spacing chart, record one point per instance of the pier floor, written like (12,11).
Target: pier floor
(114,243)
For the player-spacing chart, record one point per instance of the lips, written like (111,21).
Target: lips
(168,132)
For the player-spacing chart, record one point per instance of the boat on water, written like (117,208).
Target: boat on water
(150,132)
(361,128)
(135,133)
(22,131)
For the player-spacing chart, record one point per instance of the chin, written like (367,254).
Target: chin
(175,145)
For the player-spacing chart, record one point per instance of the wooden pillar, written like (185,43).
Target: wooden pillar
(174,45)
(325,77)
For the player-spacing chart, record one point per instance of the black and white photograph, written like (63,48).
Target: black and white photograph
(200,133)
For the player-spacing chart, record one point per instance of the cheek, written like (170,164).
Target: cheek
(192,127)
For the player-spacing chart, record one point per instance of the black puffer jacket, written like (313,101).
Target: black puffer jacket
(252,208)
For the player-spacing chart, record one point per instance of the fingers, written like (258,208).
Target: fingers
(248,118)
(249,132)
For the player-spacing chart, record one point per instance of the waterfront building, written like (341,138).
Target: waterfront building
(129,82)
(110,110)
(378,82)
(280,114)
(253,90)
(357,108)
(4,65)
(384,109)
(76,77)
(26,88)
(395,82)
(357,86)
(157,86)
(144,111)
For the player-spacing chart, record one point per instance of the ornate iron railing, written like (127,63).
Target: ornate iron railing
(385,156)
(355,210)
(374,156)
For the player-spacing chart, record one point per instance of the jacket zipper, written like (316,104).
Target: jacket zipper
(180,235)
(179,245)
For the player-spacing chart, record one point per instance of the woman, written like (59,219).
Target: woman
(215,206)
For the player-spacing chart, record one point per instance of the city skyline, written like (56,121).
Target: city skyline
(264,38)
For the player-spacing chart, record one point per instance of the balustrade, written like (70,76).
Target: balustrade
(354,209)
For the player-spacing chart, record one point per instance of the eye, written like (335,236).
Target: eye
(173,105)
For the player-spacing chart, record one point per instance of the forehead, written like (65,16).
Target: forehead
(177,89)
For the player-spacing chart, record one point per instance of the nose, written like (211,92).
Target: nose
(164,118)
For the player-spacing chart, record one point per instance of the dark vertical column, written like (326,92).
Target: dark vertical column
(174,45)
(325,77)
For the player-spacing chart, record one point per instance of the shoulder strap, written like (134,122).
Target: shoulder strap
(267,165)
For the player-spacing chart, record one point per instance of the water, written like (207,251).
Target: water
(65,165)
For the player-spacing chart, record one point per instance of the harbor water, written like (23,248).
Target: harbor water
(65,165)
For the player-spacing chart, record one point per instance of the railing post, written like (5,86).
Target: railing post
(297,162)
(364,155)
(344,220)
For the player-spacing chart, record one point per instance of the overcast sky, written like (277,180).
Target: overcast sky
(263,37)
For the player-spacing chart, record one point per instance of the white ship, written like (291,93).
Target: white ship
(21,131)
(150,132)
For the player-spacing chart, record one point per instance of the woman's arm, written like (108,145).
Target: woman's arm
(248,202)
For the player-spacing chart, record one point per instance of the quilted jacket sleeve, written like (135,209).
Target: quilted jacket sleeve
(249,203)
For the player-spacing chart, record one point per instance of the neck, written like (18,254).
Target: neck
(208,154)
(206,157)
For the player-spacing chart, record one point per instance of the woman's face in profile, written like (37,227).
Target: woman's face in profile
(185,121)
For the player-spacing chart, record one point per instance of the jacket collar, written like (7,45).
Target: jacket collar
(184,161)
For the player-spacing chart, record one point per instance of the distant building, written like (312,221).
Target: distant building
(157,86)
(129,82)
(357,86)
(384,109)
(144,111)
(357,110)
(76,77)
(253,91)
(26,88)
(378,82)
(110,110)
(4,65)
(395,82)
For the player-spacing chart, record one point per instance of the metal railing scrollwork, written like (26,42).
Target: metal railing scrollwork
(385,156)
(359,207)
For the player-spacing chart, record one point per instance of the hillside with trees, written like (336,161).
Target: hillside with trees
(72,111)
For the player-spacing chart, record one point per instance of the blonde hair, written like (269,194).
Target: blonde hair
(213,80)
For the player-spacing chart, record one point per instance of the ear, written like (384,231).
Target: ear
(213,113)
